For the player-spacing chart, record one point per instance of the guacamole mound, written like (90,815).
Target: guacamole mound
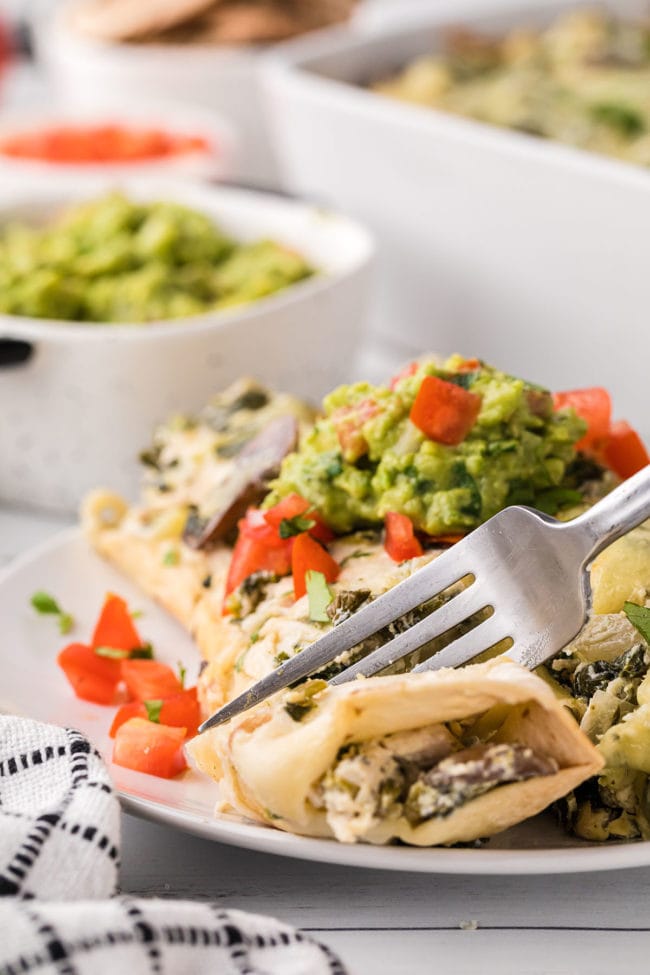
(365,457)
(114,260)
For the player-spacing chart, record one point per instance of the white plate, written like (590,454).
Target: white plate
(33,685)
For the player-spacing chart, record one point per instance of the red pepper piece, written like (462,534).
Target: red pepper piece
(443,411)
(309,555)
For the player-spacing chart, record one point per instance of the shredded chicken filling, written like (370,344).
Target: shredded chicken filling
(418,774)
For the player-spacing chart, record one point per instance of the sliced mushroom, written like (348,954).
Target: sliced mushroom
(256,464)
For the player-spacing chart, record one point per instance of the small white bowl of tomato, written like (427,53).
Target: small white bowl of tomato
(141,139)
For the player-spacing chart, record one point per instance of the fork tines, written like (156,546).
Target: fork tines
(439,576)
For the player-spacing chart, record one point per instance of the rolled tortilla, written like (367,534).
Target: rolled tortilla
(274,766)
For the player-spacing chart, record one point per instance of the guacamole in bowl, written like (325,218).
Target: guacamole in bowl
(112,259)
(375,450)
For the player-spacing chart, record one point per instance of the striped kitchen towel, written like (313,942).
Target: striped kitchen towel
(59,858)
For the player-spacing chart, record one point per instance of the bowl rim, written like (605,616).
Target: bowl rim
(59,21)
(26,327)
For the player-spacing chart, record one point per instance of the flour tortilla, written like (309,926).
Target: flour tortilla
(270,762)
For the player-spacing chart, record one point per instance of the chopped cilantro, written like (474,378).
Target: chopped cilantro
(319,596)
(144,652)
(136,614)
(333,465)
(153,709)
(171,557)
(113,653)
(462,379)
(46,605)
(639,617)
(182,672)
(623,118)
(295,526)
(254,638)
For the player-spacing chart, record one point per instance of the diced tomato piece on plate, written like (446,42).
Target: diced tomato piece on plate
(443,411)
(400,541)
(625,452)
(145,746)
(149,680)
(593,404)
(308,555)
(178,711)
(115,626)
(182,711)
(93,678)
(134,709)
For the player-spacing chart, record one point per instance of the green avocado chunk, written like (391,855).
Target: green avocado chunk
(365,457)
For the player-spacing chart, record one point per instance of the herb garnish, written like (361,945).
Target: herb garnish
(319,596)
(295,526)
(153,709)
(182,672)
(171,557)
(623,118)
(639,617)
(46,605)
(145,652)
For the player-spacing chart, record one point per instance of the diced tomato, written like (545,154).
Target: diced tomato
(594,406)
(179,711)
(292,507)
(98,144)
(625,452)
(149,679)
(252,555)
(308,555)
(349,422)
(182,711)
(148,747)
(256,527)
(93,678)
(134,709)
(399,540)
(404,373)
(115,627)
(469,365)
(443,411)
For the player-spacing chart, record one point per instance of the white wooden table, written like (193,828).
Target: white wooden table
(385,923)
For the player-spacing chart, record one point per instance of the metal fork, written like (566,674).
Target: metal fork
(524,571)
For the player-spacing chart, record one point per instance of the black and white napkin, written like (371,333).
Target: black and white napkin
(60,913)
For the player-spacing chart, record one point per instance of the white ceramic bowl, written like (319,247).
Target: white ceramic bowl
(82,399)
(216,161)
(493,243)
(84,73)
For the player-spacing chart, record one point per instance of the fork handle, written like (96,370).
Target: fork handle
(617,513)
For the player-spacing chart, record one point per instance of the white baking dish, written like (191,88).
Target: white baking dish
(80,400)
(528,253)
